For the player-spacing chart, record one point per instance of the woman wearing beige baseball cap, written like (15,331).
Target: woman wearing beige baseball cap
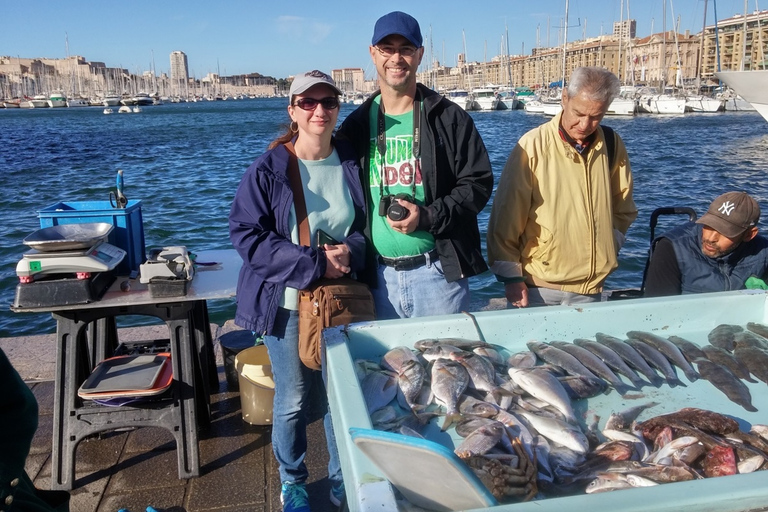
(263,229)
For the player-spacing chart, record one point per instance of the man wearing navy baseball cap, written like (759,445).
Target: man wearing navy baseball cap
(427,174)
(719,252)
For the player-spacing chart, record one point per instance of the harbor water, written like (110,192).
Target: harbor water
(184,161)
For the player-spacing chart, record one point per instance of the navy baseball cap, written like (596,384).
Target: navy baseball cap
(398,23)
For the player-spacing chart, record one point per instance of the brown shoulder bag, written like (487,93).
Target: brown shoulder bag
(327,302)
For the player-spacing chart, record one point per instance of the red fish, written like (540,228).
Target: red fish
(719,461)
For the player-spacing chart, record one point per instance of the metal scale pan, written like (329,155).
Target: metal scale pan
(67,237)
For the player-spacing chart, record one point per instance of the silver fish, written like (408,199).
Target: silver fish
(725,359)
(491,354)
(560,358)
(722,336)
(641,449)
(394,359)
(545,386)
(760,431)
(690,350)
(657,360)
(612,359)
(470,406)
(579,387)
(524,359)
(630,356)
(558,431)
(481,440)
(639,481)
(461,343)
(379,388)
(482,374)
(669,349)
(623,420)
(594,363)
(671,447)
(751,464)
(608,482)
(449,381)
(724,380)
(410,379)
(441,351)
(469,424)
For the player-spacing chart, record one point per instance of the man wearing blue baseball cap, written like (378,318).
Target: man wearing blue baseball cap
(427,175)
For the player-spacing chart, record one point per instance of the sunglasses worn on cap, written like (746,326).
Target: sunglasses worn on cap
(387,50)
(329,103)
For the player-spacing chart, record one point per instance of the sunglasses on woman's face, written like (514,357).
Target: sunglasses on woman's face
(329,103)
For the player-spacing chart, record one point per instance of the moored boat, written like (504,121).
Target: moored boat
(621,107)
(484,99)
(460,97)
(57,99)
(700,103)
(750,85)
(77,102)
(39,101)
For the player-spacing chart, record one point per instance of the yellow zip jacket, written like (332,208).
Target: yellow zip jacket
(558,217)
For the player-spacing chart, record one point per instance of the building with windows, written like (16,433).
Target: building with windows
(741,44)
(349,79)
(625,29)
(179,72)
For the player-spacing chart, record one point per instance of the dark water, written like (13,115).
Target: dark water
(184,162)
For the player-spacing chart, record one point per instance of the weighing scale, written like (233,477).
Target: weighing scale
(102,257)
(67,264)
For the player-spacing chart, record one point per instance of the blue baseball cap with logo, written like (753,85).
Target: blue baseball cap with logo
(398,23)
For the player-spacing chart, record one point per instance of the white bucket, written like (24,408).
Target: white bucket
(257,389)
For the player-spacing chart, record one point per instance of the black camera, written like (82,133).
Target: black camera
(388,206)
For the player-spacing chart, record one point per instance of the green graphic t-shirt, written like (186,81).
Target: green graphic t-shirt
(401,175)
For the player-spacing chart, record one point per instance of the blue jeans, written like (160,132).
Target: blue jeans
(421,291)
(293,382)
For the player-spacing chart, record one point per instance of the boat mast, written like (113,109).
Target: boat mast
(565,43)
(509,63)
(744,38)
(664,48)
(699,65)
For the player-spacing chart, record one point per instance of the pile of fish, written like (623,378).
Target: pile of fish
(522,435)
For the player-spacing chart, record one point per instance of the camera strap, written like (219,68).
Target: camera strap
(381,142)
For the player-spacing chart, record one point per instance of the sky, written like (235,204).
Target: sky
(280,39)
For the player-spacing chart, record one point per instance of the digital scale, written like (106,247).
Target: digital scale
(67,264)
(102,257)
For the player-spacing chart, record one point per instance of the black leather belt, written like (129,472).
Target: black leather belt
(409,262)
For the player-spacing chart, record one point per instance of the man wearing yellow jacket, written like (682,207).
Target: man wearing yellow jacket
(564,201)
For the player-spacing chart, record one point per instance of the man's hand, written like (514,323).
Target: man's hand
(408,224)
(517,294)
(338,260)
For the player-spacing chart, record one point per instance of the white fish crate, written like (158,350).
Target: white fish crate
(691,317)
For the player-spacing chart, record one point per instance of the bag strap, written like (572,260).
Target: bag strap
(610,145)
(298,194)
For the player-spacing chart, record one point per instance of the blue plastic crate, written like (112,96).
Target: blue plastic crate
(128,233)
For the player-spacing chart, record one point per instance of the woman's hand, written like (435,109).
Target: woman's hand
(338,260)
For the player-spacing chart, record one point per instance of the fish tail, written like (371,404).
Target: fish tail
(450,419)
(673,382)
(692,375)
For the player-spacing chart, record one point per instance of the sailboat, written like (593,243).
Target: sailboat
(752,85)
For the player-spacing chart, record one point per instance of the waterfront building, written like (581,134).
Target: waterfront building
(179,73)
(349,79)
(742,41)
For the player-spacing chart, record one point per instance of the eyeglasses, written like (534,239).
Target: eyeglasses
(329,103)
(387,50)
